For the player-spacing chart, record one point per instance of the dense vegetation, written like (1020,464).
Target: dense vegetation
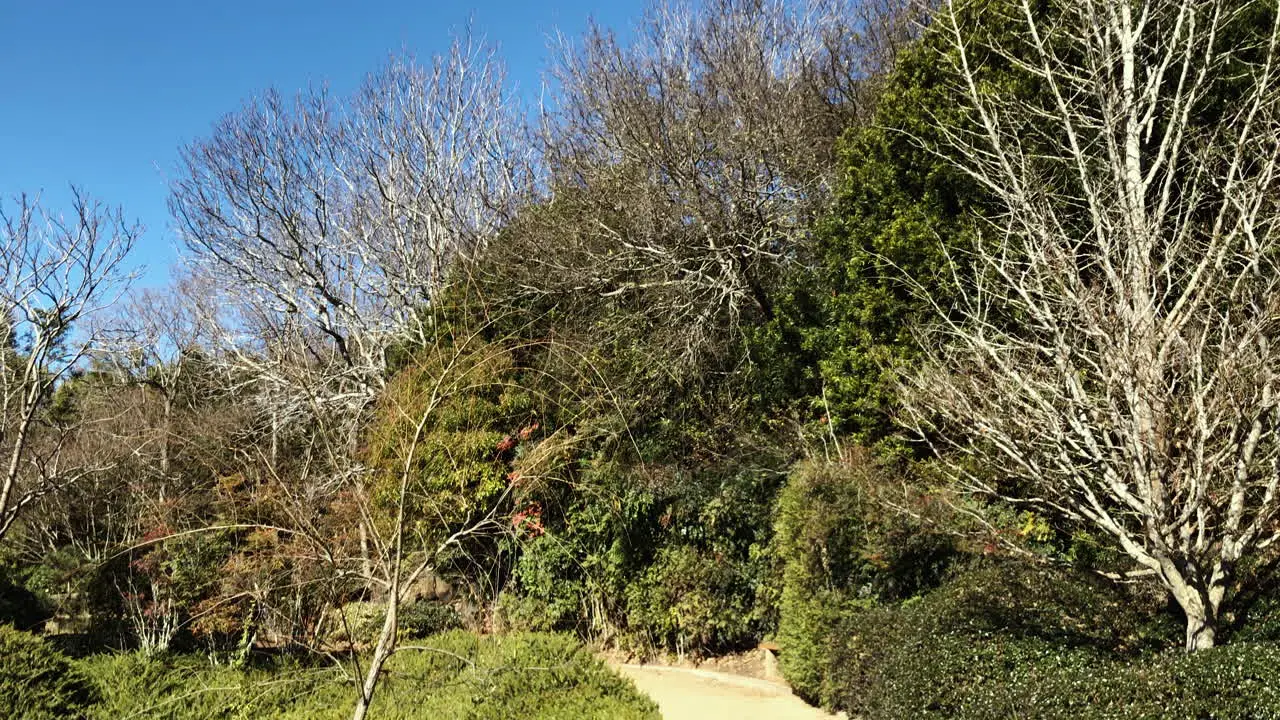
(454,675)
(791,321)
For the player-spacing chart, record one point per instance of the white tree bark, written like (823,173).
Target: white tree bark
(56,274)
(328,225)
(1112,353)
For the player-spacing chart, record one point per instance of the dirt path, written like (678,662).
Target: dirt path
(684,694)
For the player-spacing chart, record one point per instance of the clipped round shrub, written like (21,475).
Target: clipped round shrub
(938,654)
(954,675)
(1067,607)
(840,553)
(995,677)
(428,617)
(363,620)
(1008,640)
(37,682)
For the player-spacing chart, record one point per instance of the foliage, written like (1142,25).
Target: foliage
(994,638)
(897,207)
(452,675)
(176,687)
(900,225)
(416,620)
(1235,682)
(427,617)
(19,605)
(574,576)
(1257,619)
(465,390)
(525,675)
(472,434)
(37,682)
(842,551)
(689,599)
(166,580)
(1001,676)
(654,558)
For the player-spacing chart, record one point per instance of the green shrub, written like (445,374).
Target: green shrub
(19,606)
(599,539)
(187,687)
(362,621)
(679,563)
(453,675)
(1008,640)
(1257,616)
(689,600)
(840,553)
(37,682)
(994,627)
(550,587)
(955,675)
(427,617)
(1063,606)
(531,675)
(1232,682)
(994,677)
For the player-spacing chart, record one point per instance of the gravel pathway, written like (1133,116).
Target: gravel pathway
(684,694)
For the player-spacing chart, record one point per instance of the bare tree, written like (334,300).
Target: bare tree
(1112,356)
(55,275)
(327,227)
(686,166)
(329,224)
(155,337)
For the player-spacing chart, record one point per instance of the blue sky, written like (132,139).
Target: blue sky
(103,93)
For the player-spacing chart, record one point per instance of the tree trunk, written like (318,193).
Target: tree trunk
(386,646)
(166,430)
(366,557)
(1201,632)
(1202,616)
(8,486)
